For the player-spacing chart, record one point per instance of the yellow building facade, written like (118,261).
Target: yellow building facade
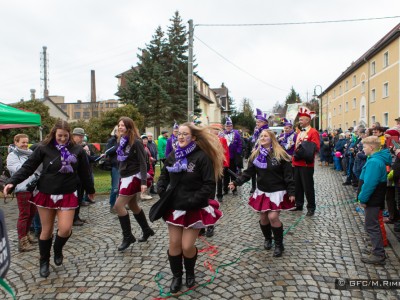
(367,91)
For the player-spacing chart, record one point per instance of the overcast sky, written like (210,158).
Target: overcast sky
(84,35)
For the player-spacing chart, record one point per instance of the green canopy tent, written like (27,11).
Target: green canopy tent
(11,117)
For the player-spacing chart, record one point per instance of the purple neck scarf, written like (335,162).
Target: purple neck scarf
(285,137)
(66,158)
(257,132)
(261,160)
(123,142)
(180,156)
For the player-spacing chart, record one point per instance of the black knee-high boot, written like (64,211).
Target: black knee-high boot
(142,221)
(278,236)
(44,250)
(176,265)
(58,246)
(128,237)
(266,230)
(189,267)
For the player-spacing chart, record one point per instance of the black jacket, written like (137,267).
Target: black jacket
(153,149)
(196,186)
(135,163)
(278,176)
(51,181)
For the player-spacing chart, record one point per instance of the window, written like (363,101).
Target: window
(334,111)
(354,103)
(373,70)
(77,115)
(340,90)
(362,111)
(363,86)
(373,95)
(372,119)
(354,80)
(346,107)
(334,94)
(385,90)
(386,119)
(346,87)
(347,125)
(385,59)
(107,105)
(86,115)
(340,109)
(354,124)
(77,106)
(95,114)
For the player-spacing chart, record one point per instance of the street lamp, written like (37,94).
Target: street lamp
(319,105)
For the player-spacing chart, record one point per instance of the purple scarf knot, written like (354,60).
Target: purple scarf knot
(66,158)
(261,160)
(123,142)
(180,156)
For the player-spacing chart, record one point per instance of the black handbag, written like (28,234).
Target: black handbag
(159,208)
(305,151)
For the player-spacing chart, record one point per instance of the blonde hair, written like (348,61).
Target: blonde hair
(210,144)
(278,152)
(373,141)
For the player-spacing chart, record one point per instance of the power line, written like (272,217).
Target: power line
(300,23)
(241,69)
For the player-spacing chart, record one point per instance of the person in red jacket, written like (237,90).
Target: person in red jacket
(217,130)
(303,171)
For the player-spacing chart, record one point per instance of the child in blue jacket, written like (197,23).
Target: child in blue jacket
(373,180)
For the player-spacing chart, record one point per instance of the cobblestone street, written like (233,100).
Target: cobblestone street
(318,250)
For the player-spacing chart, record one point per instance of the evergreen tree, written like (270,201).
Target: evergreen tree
(147,84)
(293,97)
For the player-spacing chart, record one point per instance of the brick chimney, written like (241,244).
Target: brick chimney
(93,87)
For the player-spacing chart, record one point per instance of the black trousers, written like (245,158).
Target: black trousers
(81,193)
(304,181)
(227,176)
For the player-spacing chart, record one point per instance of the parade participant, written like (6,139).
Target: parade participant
(196,165)
(172,140)
(133,179)
(303,170)
(154,154)
(235,149)
(111,150)
(261,124)
(149,165)
(56,193)
(288,137)
(275,187)
(27,210)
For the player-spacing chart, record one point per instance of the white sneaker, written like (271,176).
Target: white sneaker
(146,197)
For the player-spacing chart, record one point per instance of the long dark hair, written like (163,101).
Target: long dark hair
(60,124)
(131,130)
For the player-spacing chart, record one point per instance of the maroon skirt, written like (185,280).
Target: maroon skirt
(129,186)
(196,219)
(63,201)
(262,202)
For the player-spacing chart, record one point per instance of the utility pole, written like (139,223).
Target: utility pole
(190,74)
(44,61)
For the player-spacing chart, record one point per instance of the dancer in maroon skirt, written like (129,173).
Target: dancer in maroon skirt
(196,164)
(275,187)
(56,191)
(133,179)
